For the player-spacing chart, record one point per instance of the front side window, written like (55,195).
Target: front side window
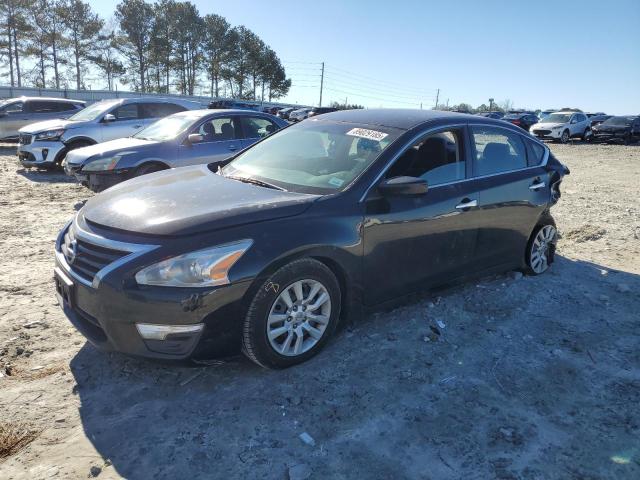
(126,112)
(314,157)
(497,150)
(15,107)
(94,111)
(220,129)
(437,159)
(255,127)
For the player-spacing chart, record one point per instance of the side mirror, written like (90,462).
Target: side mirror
(195,138)
(403,187)
(108,118)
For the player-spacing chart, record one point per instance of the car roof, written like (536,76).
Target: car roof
(400,118)
(203,112)
(47,99)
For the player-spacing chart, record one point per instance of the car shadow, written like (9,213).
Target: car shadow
(236,420)
(45,176)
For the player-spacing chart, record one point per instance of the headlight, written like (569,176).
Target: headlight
(50,135)
(557,127)
(202,268)
(102,164)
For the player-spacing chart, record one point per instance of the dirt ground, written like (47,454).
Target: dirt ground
(528,378)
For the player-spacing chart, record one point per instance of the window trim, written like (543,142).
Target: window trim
(467,126)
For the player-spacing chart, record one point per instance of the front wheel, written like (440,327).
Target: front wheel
(564,138)
(292,315)
(586,136)
(149,168)
(541,249)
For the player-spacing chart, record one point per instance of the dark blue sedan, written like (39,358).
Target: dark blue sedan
(186,138)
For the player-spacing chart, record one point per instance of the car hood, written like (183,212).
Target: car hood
(547,125)
(108,149)
(55,124)
(189,200)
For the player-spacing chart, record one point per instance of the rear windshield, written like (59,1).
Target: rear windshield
(620,121)
(313,156)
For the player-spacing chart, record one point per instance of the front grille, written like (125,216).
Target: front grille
(542,132)
(25,139)
(26,156)
(85,259)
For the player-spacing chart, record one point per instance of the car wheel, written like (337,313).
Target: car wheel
(541,249)
(149,168)
(292,315)
(627,139)
(586,136)
(73,146)
(564,138)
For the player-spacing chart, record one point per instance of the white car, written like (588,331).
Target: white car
(563,126)
(300,114)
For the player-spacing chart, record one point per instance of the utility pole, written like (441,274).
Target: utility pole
(437,98)
(321,84)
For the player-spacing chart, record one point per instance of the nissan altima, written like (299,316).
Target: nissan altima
(323,220)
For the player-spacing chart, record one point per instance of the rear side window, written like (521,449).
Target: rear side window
(159,110)
(67,107)
(535,153)
(126,112)
(40,106)
(437,158)
(255,127)
(497,150)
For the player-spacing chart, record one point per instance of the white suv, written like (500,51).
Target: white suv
(45,144)
(563,126)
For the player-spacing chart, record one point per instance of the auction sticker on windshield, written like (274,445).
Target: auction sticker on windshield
(366,133)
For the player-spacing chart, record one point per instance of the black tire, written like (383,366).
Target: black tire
(529,267)
(255,344)
(564,138)
(586,135)
(149,168)
(73,146)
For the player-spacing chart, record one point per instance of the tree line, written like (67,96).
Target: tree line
(159,47)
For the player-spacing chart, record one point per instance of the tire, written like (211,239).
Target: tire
(272,329)
(586,136)
(564,138)
(149,168)
(541,248)
(72,146)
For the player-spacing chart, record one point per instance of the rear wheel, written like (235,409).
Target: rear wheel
(292,315)
(541,249)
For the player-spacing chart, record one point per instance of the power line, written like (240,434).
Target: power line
(340,71)
(352,94)
(385,91)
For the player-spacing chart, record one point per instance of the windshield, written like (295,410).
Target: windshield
(167,128)
(620,121)
(313,156)
(558,118)
(92,112)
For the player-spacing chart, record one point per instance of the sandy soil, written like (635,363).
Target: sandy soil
(507,377)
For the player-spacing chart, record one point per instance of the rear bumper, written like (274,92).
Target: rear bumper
(41,154)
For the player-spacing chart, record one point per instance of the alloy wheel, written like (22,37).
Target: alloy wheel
(541,247)
(299,317)
(565,137)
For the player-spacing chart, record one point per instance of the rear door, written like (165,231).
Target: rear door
(514,190)
(255,128)
(150,112)
(13,118)
(222,138)
(127,122)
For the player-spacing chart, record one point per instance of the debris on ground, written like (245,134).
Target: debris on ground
(308,439)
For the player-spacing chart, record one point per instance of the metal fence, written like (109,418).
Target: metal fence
(91,96)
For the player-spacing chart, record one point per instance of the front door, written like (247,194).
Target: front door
(410,242)
(127,122)
(222,138)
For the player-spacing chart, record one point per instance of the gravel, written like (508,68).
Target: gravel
(532,378)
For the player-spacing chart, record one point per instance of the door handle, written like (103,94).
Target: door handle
(466,203)
(536,186)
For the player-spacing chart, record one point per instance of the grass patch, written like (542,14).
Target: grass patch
(14,437)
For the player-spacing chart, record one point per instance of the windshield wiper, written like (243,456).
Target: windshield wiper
(255,181)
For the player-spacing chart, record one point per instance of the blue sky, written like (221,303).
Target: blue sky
(538,54)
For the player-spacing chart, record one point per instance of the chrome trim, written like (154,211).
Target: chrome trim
(537,186)
(135,250)
(469,204)
(545,158)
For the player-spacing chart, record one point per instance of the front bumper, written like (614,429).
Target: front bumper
(107,309)
(547,133)
(41,154)
(609,136)
(97,181)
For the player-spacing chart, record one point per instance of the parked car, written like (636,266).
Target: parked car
(284,112)
(15,113)
(522,120)
(598,119)
(496,115)
(625,129)
(321,110)
(563,126)
(299,115)
(592,114)
(185,138)
(232,104)
(318,222)
(45,144)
